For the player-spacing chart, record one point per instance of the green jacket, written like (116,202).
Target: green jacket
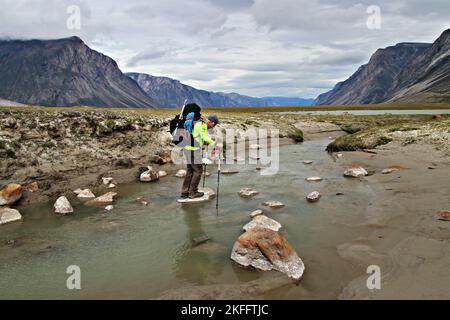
(200,136)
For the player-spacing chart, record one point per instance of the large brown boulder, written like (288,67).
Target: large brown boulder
(10,194)
(266,250)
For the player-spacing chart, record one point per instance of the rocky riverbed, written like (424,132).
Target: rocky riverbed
(404,159)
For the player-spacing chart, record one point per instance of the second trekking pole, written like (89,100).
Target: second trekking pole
(218,181)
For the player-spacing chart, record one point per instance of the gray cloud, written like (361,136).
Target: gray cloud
(254,47)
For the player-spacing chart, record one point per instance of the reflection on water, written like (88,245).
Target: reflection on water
(139,251)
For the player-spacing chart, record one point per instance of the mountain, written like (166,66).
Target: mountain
(65,72)
(406,72)
(172,93)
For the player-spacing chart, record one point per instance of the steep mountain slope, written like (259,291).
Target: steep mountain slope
(406,72)
(172,93)
(65,72)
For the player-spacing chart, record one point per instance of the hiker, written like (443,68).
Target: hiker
(193,154)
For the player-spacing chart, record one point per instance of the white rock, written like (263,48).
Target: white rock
(261,221)
(314,179)
(63,206)
(112,186)
(109,208)
(390,170)
(248,193)
(149,176)
(162,173)
(256,213)
(181,173)
(355,172)
(107,180)
(273,204)
(8,215)
(78,191)
(313,196)
(307,161)
(104,199)
(86,194)
(229,171)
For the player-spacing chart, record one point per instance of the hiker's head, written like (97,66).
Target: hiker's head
(212,121)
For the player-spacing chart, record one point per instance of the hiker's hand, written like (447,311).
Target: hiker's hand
(206,161)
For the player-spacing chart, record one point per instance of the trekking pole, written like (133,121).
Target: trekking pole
(204,175)
(218,181)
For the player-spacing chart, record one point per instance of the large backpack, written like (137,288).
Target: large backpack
(191,113)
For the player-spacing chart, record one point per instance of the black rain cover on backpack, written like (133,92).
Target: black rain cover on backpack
(178,124)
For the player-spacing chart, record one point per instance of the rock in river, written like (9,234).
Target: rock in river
(261,222)
(162,173)
(181,173)
(248,193)
(62,206)
(149,176)
(307,161)
(355,172)
(256,213)
(8,215)
(85,194)
(10,194)
(107,198)
(313,196)
(314,179)
(273,204)
(391,169)
(266,250)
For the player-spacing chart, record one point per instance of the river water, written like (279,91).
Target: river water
(141,252)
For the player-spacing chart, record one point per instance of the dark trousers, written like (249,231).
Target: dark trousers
(194,172)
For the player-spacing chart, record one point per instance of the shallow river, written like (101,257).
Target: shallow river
(140,252)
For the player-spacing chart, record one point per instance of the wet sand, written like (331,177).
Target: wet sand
(408,242)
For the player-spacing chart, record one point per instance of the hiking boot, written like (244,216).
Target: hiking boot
(184,195)
(196,195)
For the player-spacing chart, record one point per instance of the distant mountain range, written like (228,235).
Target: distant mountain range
(406,72)
(65,72)
(172,93)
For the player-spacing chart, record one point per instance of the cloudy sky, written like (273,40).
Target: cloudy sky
(256,47)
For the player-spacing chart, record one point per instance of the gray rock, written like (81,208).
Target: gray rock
(8,215)
(248,193)
(263,222)
(181,173)
(85,194)
(107,198)
(313,196)
(274,204)
(256,213)
(355,172)
(149,176)
(63,206)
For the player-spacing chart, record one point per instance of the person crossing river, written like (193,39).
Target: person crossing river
(193,153)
